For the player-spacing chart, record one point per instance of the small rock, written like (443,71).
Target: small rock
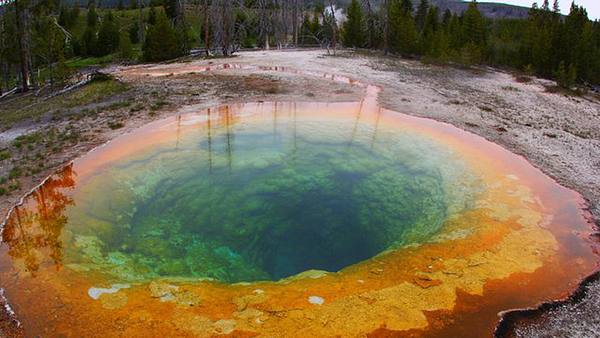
(95,293)
(316,300)
(426,282)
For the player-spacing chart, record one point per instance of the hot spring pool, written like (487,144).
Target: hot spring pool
(302,218)
(261,197)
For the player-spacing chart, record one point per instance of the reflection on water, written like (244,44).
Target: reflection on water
(33,234)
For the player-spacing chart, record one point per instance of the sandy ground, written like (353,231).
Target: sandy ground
(558,134)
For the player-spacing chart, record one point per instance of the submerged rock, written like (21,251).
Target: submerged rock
(95,292)
(316,300)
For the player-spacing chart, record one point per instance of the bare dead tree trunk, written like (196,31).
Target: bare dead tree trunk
(295,23)
(275,25)
(22,20)
(222,25)
(285,21)
(370,22)
(206,28)
(226,27)
(6,74)
(333,27)
(264,22)
(2,61)
(386,26)
(142,30)
(179,12)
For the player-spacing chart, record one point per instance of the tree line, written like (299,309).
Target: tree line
(39,37)
(547,43)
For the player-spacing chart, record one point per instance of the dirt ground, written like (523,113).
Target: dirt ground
(557,133)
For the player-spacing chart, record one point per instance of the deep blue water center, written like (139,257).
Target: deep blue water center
(248,201)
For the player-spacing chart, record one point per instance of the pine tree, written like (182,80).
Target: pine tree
(74,15)
(473,36)
(23,25)
(421,14)
(439,47)
(574,25)
(538,48)
(161,41)
(49,45)
(92,16)
(474,25)
(407,6)
(134,33)
(63,17)
(152,16)
(9,46)
(446,19)
(89,42)
(371,29)
(183,37)
(61,70)
(455,33)
(431,21)
(108,36)
(125,48)
(316,27)
(558,42)
(566,78)
(586,51)
(353,28)
(305,31)
(170,8)
(403,34)
(430,28)
(120,5)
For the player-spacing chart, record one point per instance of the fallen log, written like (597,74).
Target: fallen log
(12,91)
(95,76)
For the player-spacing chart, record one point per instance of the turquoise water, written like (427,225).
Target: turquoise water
(258,199)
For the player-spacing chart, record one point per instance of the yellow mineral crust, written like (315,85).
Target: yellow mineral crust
(386,291)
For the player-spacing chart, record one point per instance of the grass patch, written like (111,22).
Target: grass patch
(119,105)
(15,172)
(15,185)
(94,92)
(27,140)
(115,125)
(4,155)
(136,108)
(77,63)
(30,107)
(158,104)
(33,146)
(564,91)
(274,89)
(523,78)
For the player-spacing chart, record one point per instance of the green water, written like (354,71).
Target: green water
(258,200)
